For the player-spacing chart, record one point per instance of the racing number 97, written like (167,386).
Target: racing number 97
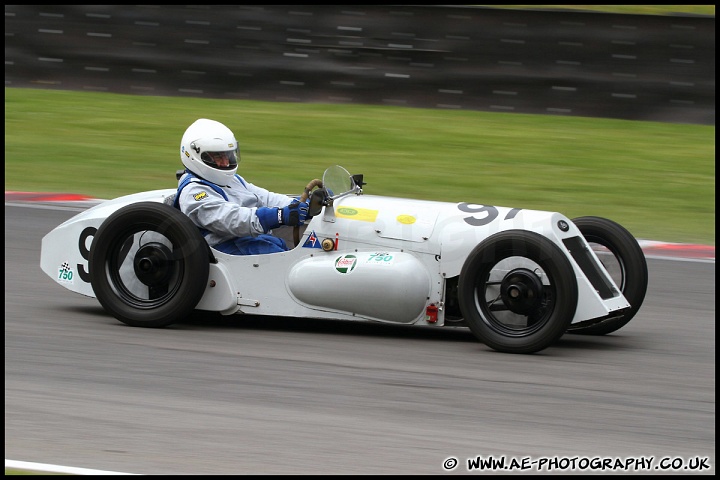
(85,252)
(489,211)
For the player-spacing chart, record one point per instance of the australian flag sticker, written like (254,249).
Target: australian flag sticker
(312,241)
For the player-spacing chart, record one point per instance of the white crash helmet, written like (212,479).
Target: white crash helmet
(203,145)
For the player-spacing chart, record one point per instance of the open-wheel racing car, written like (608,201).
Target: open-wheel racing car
(519,279)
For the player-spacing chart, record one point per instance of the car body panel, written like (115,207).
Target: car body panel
(390,259)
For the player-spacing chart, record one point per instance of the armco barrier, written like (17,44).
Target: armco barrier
(640,67)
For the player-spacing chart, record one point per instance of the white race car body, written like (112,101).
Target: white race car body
(362,257)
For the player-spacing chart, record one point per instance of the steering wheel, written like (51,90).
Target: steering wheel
(303,198)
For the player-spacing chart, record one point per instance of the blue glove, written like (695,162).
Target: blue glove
(293,215)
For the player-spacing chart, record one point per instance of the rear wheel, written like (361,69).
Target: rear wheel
(517,292)
(149,265)
(622,257)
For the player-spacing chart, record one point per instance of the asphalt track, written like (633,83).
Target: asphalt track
(243,395)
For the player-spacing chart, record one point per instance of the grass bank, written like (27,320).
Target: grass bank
(657,179)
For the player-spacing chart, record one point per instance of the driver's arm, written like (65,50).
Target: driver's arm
(225,219)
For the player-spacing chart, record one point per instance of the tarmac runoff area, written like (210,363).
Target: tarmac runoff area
(652,248)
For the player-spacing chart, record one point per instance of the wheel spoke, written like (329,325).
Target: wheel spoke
(497,307)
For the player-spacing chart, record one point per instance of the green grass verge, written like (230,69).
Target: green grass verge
(657,179)
(15,471)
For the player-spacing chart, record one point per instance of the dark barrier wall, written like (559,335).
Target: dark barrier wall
(640,67)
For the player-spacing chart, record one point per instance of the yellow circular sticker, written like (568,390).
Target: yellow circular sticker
(406,219)
(347,211)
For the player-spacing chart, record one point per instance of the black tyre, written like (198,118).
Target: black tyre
(621,255)
(149,265)
(517,292)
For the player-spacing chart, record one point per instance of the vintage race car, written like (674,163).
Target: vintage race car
(519,279)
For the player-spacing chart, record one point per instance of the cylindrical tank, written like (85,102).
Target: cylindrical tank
(388,286)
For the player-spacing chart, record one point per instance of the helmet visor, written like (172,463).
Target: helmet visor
(226,160)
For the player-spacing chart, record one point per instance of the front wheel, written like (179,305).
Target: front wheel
(517,292)
(622,257)
(149,265)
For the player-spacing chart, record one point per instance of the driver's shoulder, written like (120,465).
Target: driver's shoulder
(195,186)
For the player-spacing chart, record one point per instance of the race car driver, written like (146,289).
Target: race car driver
(234,216)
